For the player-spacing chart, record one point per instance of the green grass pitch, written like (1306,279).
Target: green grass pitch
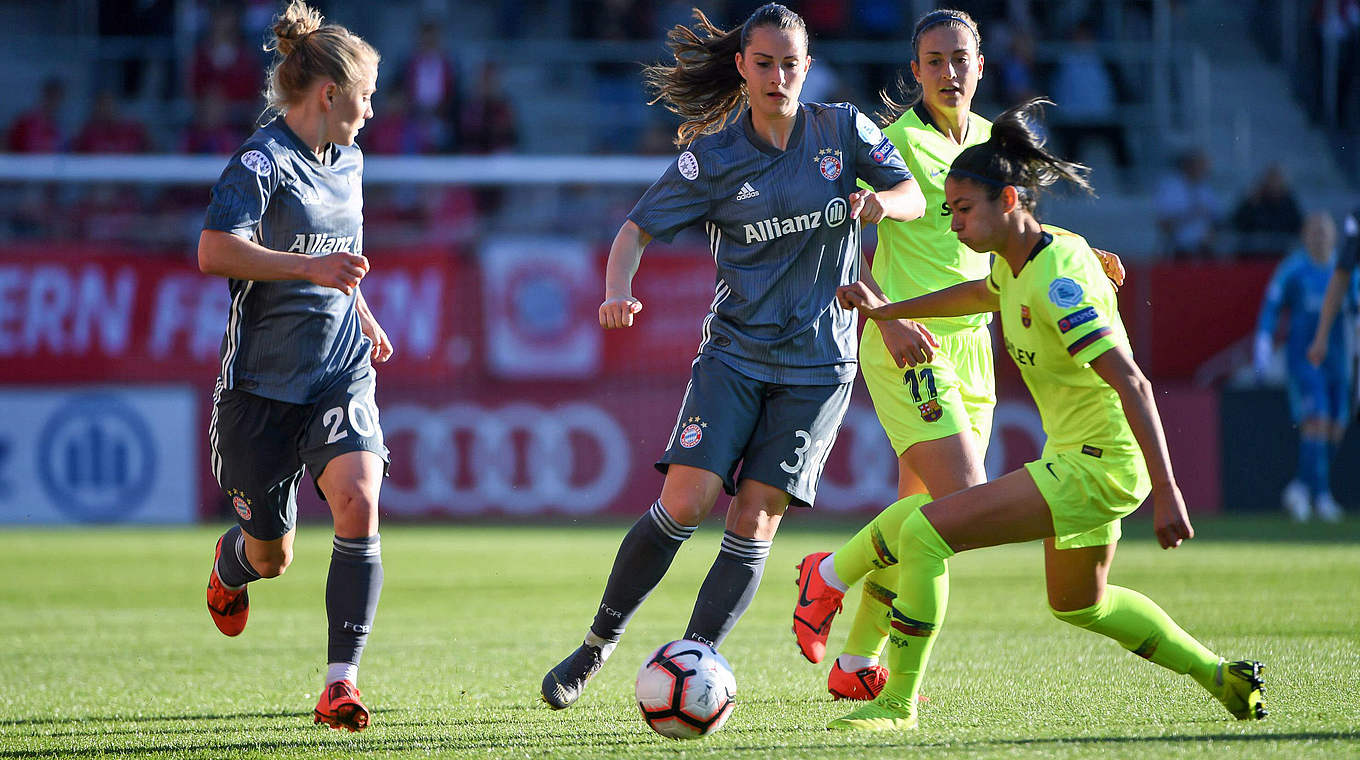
(106,650)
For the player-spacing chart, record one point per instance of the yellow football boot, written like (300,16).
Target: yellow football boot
(886,713)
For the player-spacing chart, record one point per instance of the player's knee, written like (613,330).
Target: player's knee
(272,564)
(354,509)
(686,509)
(754,519)
(1081,617)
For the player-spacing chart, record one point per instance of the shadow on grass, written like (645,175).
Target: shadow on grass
(142,718)
(874,740)
(373,742)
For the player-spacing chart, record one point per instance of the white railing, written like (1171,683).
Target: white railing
(381,170)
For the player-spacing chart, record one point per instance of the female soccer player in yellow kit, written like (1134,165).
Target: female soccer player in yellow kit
(1105,451)
(932,383)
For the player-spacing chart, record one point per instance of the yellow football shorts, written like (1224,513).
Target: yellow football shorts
(953,393)
(1089,490)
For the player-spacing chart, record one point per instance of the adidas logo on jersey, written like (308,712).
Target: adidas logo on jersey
(746,192)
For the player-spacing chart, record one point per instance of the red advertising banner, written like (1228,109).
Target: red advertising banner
(102,318)
(1180,316)
(505,398)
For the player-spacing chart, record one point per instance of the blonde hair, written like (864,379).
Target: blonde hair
(308,50)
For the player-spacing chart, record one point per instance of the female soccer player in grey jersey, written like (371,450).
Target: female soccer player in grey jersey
(776,190)
(296,388)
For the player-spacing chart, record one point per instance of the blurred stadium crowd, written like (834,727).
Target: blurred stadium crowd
(562,77)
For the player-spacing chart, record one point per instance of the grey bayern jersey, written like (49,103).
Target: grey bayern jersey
(779,230)
(289,339)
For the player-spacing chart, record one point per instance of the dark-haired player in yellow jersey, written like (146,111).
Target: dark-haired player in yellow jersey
(1105,451)
(932,382)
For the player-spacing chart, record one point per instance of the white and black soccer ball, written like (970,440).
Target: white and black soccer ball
(686,690)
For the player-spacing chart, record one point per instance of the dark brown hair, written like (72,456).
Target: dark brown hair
(1015,155)
(704,86)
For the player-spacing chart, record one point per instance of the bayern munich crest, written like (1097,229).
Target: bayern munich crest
(240,503)
(830,166)
(693,432)
(690,436)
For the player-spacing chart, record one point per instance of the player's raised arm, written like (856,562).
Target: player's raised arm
(971,297)
(619,305)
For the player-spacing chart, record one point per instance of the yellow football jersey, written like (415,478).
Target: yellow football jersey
(1057,315)
(923,255)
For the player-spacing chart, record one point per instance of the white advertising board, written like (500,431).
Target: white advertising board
(105,454)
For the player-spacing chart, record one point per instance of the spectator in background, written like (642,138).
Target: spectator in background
(1085,89)
(1319,397)
(38,130)
(881,19)
(1336,24)
(224,64)
(209,132)
(430,79)
(488,118)
(616,95)
(1016,69)
(107,131)
(1267,219)
(1188,208)
(133,26)
(831,19)
(109,210)
(394,130)
(612,19)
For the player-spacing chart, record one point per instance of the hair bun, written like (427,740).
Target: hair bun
(296,22)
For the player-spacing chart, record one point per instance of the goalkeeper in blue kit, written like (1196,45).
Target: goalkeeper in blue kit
(1319,392)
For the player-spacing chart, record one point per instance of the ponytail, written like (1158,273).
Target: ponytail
(1015,155)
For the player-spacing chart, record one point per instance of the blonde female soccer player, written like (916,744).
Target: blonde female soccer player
(285,228)
(934,396)
(1105,451)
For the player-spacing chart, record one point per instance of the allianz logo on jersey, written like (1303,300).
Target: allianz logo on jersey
(321,243)
(765,230)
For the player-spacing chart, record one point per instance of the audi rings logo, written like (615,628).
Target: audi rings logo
(519,458)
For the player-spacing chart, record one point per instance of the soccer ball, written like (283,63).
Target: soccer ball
(686,690)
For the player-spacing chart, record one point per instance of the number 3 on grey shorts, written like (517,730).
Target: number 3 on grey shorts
(780,435)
